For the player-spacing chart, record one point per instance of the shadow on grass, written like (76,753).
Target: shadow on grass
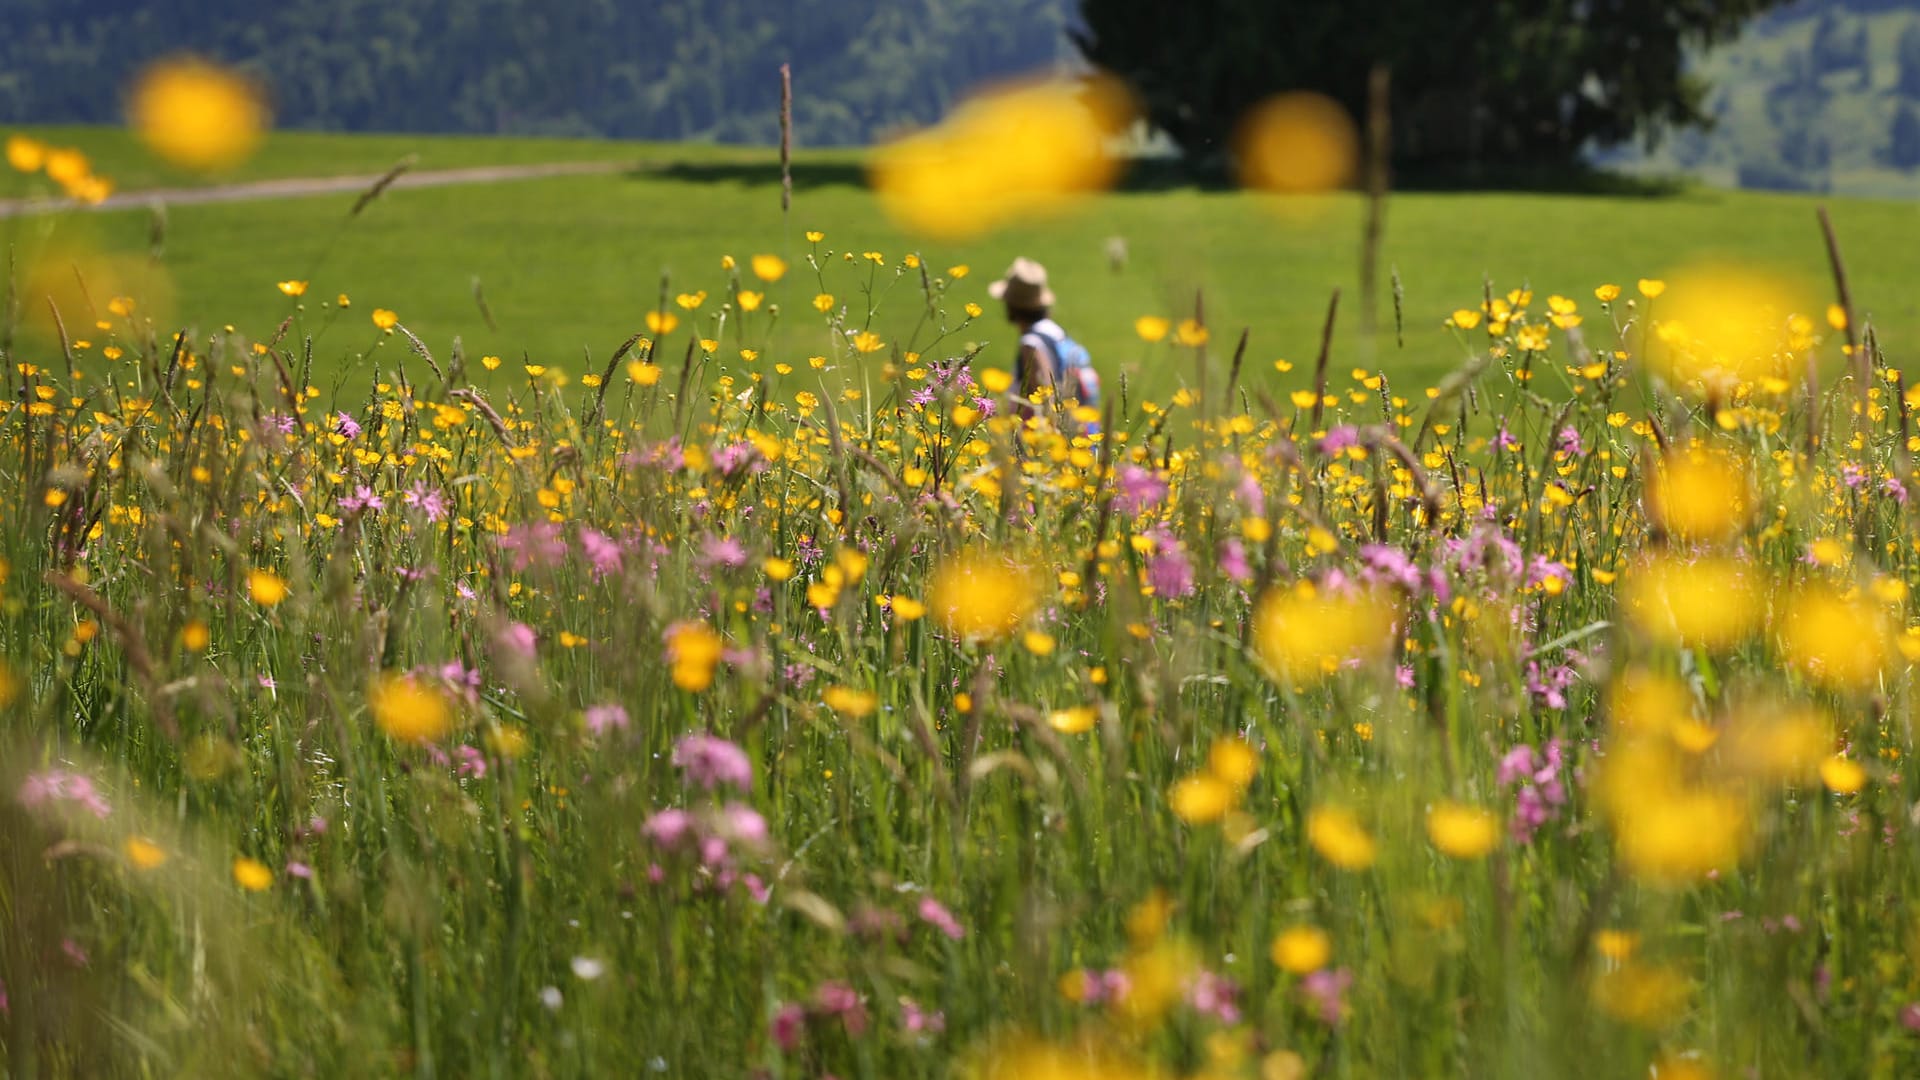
(1146,175)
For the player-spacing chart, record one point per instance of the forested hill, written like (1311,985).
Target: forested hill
(657,69)
(1819,95)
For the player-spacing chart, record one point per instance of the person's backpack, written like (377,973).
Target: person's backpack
(1073,374)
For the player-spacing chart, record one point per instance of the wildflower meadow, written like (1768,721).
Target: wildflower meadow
(717,707)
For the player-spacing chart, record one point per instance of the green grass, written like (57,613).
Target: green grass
(572,264)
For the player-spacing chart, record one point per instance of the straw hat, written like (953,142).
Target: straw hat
(1025,285)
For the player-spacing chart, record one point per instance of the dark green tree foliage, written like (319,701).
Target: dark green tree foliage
(1495,80)
(666,69)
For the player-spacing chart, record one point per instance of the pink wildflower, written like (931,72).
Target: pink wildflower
(936,915)
(712,762)
(63,786)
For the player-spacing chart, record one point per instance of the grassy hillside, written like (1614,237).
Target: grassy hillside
(573,264)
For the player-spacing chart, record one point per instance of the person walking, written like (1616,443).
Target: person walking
(1048,359)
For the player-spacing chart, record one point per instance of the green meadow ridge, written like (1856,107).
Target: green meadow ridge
(569,266)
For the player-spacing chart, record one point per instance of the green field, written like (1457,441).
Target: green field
(571,264)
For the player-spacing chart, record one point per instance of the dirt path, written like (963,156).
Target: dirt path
(300,187)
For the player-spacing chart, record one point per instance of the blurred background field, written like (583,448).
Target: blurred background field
(568,266)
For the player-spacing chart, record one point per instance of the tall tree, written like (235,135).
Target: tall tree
(1529,79)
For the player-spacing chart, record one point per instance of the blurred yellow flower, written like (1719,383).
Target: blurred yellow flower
(1302,634)
(1843,776)
(293,288)
(1786,746)
(143,853)
(750,300)
(979,597)
(1652,287)
(1011,154)
(1201,799)
(642,372)
(1676,836)
(26,154)
(252,874)
(1727,324)
(196,115)
(1296,143)
(1302,950)
(408,709)
(907,609)
(823,303)
(1464,832)
(866,341)
(385,319)
(1077,720)
(1647,996)
(694,650)
(265,588)
(1151,328)
(850,703)
(66,166)
(661,322)
(1698,495)
(1336,833)
(1711,602)
(769,268)
(1191,334)
(194,636)
(1233,762)
(1607,294)
(1839,641)
(777,569)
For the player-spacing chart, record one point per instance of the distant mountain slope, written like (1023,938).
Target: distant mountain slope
(1822,95)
